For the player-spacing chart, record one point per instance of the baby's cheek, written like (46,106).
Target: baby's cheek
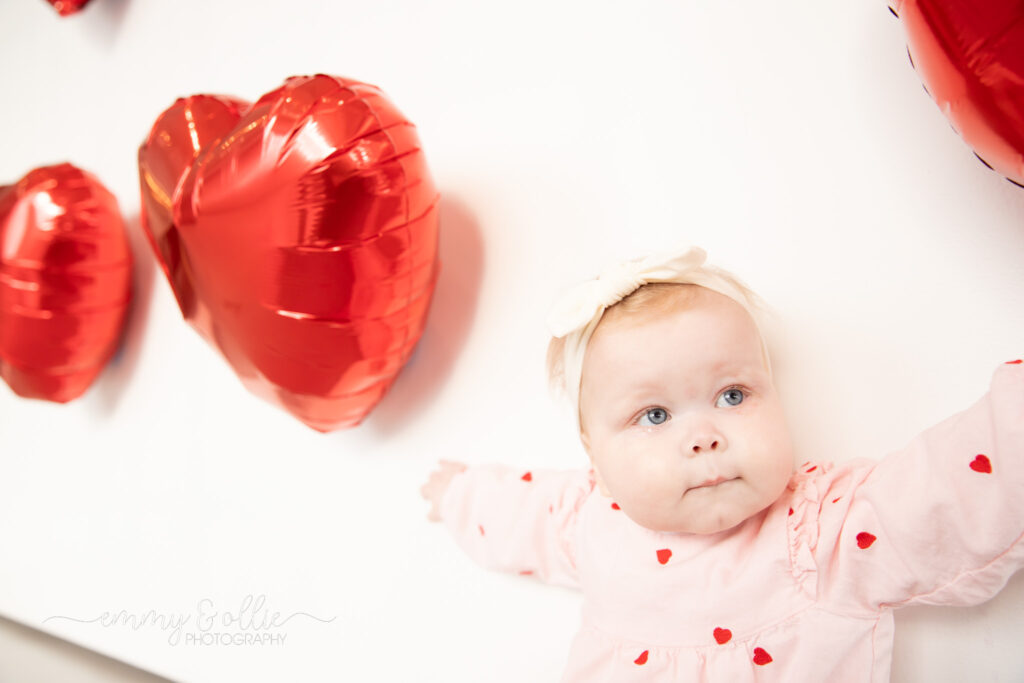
(777,474)
(775,451)
(637,481)
(664,489)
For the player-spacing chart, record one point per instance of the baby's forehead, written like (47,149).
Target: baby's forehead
(713,332)
(701,308)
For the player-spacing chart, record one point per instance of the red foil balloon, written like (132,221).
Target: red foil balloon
(970,56)
(299,235)
(67,7)
(65,282)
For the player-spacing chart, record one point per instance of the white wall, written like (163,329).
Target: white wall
(791,140)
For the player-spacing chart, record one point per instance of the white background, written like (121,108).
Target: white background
(792,140)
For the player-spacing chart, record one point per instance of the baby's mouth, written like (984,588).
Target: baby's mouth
(711,482)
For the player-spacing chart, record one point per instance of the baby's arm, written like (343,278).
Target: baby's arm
(939,522)
(511,519)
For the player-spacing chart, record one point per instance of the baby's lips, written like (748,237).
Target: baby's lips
(713,480)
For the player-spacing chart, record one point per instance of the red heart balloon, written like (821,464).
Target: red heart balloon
(65,282)
(970,56)
(299,235)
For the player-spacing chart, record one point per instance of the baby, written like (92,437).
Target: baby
(701,553)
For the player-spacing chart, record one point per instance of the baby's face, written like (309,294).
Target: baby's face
(681,420)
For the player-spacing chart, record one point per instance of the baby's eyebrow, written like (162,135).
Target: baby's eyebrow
(730,365)
(748,369)
(632,397)
(640,391)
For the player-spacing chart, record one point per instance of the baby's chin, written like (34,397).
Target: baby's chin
(705,522)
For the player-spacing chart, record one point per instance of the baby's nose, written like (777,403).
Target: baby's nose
(705,444)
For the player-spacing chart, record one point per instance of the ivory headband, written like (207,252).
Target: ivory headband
(576,314)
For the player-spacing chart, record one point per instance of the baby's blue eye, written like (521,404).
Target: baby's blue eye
(733,397)
(654,416)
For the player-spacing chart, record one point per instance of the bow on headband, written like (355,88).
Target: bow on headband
(581,304)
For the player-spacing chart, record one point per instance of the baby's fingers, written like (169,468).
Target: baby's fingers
(436,485)
(434,513)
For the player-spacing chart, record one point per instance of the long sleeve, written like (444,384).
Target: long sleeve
(939,522)
(514,520)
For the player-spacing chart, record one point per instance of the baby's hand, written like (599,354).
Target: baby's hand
(435,487)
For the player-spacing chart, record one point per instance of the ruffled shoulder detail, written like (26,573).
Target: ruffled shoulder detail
(575,495)
(567,511)
(811,488)
(807,488)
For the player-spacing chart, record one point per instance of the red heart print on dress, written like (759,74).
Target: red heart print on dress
(864,539)
(761,657)
(642,659)
(722,635)
(527,477)
(663,555)
(981,464)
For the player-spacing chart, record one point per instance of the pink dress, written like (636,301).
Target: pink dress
(803,591)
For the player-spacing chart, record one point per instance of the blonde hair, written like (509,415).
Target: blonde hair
(651,300)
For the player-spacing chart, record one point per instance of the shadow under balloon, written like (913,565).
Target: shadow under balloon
(112,384)
(102,19)
(451,315)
